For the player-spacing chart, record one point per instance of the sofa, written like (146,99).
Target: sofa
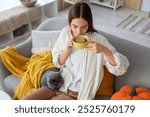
(138,73)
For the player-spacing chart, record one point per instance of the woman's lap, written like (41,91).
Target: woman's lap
(45,93)
(42,93)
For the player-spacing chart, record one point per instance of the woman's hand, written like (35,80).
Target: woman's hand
(96,47)
(99,48)
(69,44)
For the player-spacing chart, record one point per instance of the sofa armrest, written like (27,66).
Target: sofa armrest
(3,73)
(23,49)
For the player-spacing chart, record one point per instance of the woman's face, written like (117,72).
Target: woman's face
(79,26)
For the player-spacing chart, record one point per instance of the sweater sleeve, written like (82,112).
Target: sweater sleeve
(58,48)
(122,62)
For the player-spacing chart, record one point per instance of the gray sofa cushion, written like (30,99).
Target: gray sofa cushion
(12,82)
(138,73)
(55,23)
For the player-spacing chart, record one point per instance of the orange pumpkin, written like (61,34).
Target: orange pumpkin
(127,92)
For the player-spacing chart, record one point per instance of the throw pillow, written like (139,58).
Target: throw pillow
(43,40)
(106,86)
(129,92)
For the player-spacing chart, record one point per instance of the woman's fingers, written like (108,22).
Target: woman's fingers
(91,44)
(69,44)
(95,47)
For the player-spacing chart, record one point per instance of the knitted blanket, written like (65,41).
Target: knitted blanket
(29,69)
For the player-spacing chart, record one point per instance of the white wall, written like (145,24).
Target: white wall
(145,5)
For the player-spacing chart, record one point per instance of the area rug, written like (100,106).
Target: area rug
(136,23)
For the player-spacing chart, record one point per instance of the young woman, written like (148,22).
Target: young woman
(82,69)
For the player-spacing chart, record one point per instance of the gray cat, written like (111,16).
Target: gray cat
(52,79)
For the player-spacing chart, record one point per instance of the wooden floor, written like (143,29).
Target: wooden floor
(106,20)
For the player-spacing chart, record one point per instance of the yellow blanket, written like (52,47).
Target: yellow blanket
(29,69)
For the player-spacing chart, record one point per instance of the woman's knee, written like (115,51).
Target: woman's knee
(42,93)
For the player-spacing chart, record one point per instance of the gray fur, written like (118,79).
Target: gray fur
(52,79)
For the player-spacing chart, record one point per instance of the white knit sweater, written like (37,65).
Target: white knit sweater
(92,69)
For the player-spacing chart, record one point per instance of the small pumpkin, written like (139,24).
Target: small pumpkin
(143,93)
(127,92)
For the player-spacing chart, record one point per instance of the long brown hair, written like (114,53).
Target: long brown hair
(82,10)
